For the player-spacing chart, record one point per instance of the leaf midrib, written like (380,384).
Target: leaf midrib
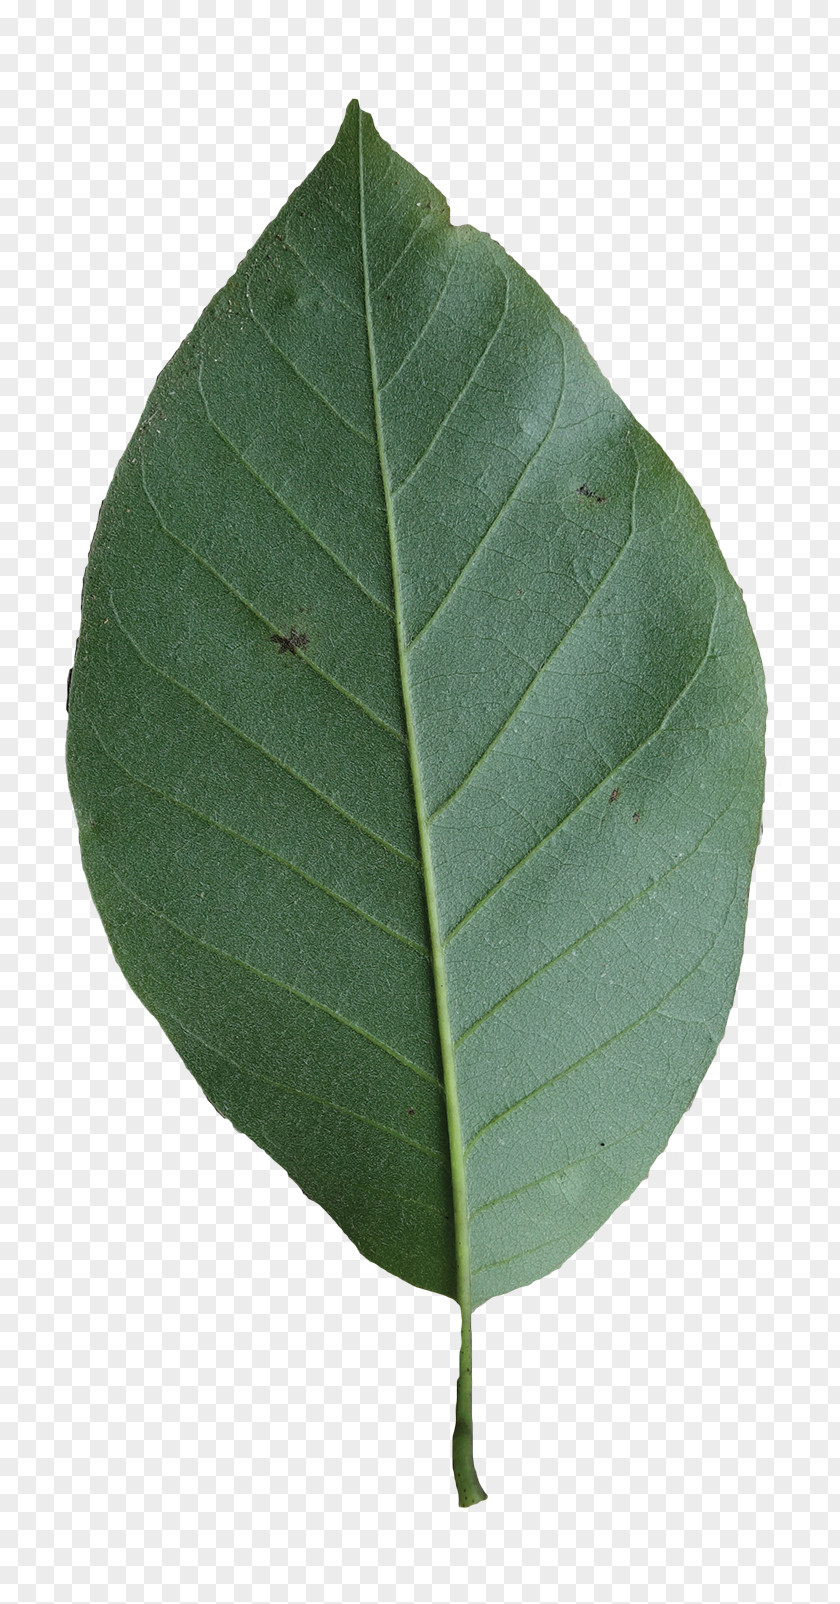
(453,1111)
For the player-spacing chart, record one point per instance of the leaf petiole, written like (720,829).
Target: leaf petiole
(470,1490)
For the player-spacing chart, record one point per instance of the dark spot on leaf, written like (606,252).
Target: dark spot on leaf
(591,495)
(602,1144)
(411,1111)
(294,642)
(636,817)
(614,795)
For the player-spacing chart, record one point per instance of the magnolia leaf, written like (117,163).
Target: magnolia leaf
(416,741)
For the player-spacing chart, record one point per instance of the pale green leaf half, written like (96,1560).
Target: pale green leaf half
(416,739)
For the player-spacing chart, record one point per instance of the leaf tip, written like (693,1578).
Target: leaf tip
(354,115)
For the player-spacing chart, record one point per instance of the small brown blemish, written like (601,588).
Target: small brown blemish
(636,817)
(614,795)
(411,1111)
(591,495)
(294,642)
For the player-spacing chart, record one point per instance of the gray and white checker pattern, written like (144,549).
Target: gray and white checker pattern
(215,1399)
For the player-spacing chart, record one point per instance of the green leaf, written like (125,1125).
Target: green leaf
(416,741)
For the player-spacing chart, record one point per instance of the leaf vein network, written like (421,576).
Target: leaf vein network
(286,245)
(506,504)
(396,489)
(414,344)
(272,756)
(247,841)
(639,897)
(304,657)
(425,219)
(602,1046)
(311,1097)
(547,664)
(272,980)
(270,340)
(462,923)
(290,510)
(553,1175)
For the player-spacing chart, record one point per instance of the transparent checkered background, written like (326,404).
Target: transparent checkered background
(214,1398)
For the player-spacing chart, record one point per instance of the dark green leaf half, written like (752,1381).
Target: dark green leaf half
(416,738)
